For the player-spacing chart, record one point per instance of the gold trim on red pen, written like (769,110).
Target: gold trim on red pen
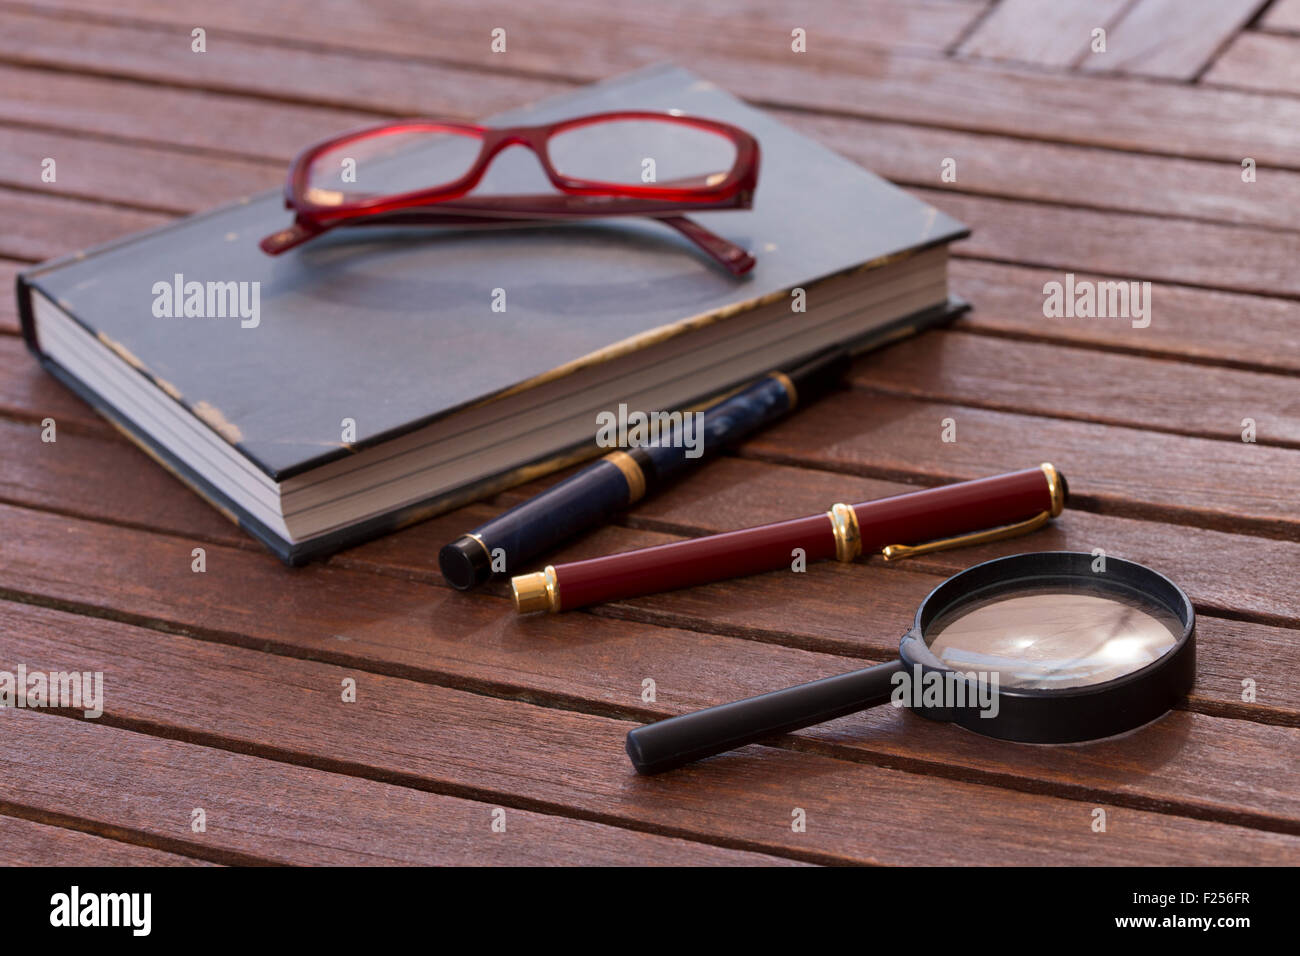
(844,525)
(539,591)
(1054,487)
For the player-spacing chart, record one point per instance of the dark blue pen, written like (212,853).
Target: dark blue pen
(622,478)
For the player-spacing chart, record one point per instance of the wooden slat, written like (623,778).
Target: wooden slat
(1045,32)
(35,226)
(1282,15)
(1121,113)
(1257,333)
(394,87)
(1259,61)
(161,180)
(46,474)
(28,843)
(985,372)
(9,269)
(259,810)
(441,738)
(1146,248)
(210,123)
(1173,39)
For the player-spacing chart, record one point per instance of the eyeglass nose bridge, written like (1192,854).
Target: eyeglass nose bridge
(533,138)
(496,141)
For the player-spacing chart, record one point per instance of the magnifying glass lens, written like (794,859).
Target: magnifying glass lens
(1047,638)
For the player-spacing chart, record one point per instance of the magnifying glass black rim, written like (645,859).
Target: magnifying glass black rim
(1064,715)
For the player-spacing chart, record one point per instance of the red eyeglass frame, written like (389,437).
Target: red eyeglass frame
(577,198)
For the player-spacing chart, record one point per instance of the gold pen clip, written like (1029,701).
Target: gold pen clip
(894,551)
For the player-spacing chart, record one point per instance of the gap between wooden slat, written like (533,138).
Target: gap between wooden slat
(29,842)
(126,836)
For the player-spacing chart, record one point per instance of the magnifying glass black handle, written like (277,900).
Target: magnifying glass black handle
(671,743)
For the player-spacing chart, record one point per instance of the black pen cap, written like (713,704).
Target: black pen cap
(820,374)
(465,562)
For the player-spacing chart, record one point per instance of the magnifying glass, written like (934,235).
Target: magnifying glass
(1039,648)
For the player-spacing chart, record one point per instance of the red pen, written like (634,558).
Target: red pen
(950,516)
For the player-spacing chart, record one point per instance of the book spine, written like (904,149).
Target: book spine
(26,315)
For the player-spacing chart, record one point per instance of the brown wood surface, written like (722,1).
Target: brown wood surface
(1259,61)
(463,708)
(1282,15)
(28,843)
(1047,32)
(1174,39)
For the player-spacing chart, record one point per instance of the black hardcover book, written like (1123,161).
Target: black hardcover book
(377,376)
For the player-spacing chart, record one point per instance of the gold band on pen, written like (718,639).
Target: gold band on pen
(539,591)
(844,525)
(1054,487)
(791,392)
(632,472)
(481,544)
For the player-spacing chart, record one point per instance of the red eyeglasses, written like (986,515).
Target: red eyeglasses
(418,172)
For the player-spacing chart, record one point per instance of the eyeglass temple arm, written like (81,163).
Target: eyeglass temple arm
(295,234)
(722,251)
(505,211)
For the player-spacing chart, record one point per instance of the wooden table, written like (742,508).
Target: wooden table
(223,690)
